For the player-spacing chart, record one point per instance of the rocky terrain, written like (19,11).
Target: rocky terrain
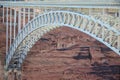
(2,49)
(67,54)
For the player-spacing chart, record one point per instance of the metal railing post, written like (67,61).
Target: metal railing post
(7,30)
(33,13)
(10,26)
(23,17)
(14,23)
(19,20)
(3,14)
(28,14)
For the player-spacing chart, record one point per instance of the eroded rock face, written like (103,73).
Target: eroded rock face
(2,49)
(68,54)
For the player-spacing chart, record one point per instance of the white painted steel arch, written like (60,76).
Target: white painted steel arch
(43,23)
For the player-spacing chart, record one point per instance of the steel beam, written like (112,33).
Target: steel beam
(28,14)
(3,14)
(7,30)
(33,13)
(24,15)
(10,33)
(14,24)
(74,4)
(19,20)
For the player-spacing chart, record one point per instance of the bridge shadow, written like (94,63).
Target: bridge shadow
(105,49)
(106,72)
(68,48)
(81,56)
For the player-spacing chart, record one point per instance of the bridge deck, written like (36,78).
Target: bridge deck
(76,4)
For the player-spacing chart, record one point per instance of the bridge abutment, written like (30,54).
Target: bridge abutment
(13,75)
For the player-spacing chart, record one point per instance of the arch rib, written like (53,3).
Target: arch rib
(62,18)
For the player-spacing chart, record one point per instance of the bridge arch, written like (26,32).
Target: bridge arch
(43,23)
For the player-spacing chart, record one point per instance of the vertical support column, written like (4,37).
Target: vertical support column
(6,30)
(110,37)
(119,12)
(92,27)
(14,24)
(118,41)
(40,10)
(10,26)
(28,14)
(80,10)
(33,13)
(103,33)
(3,14)
(90,11)
(73,19)
(17,74)
(103,11)
(6,75)
(45,10)
(116,14)
(23,17)
(19,20)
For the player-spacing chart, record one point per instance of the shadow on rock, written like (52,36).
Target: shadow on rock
(106,72)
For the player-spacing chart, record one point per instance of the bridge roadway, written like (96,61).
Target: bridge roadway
(75,4)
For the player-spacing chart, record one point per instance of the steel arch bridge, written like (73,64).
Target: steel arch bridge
(26,36)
